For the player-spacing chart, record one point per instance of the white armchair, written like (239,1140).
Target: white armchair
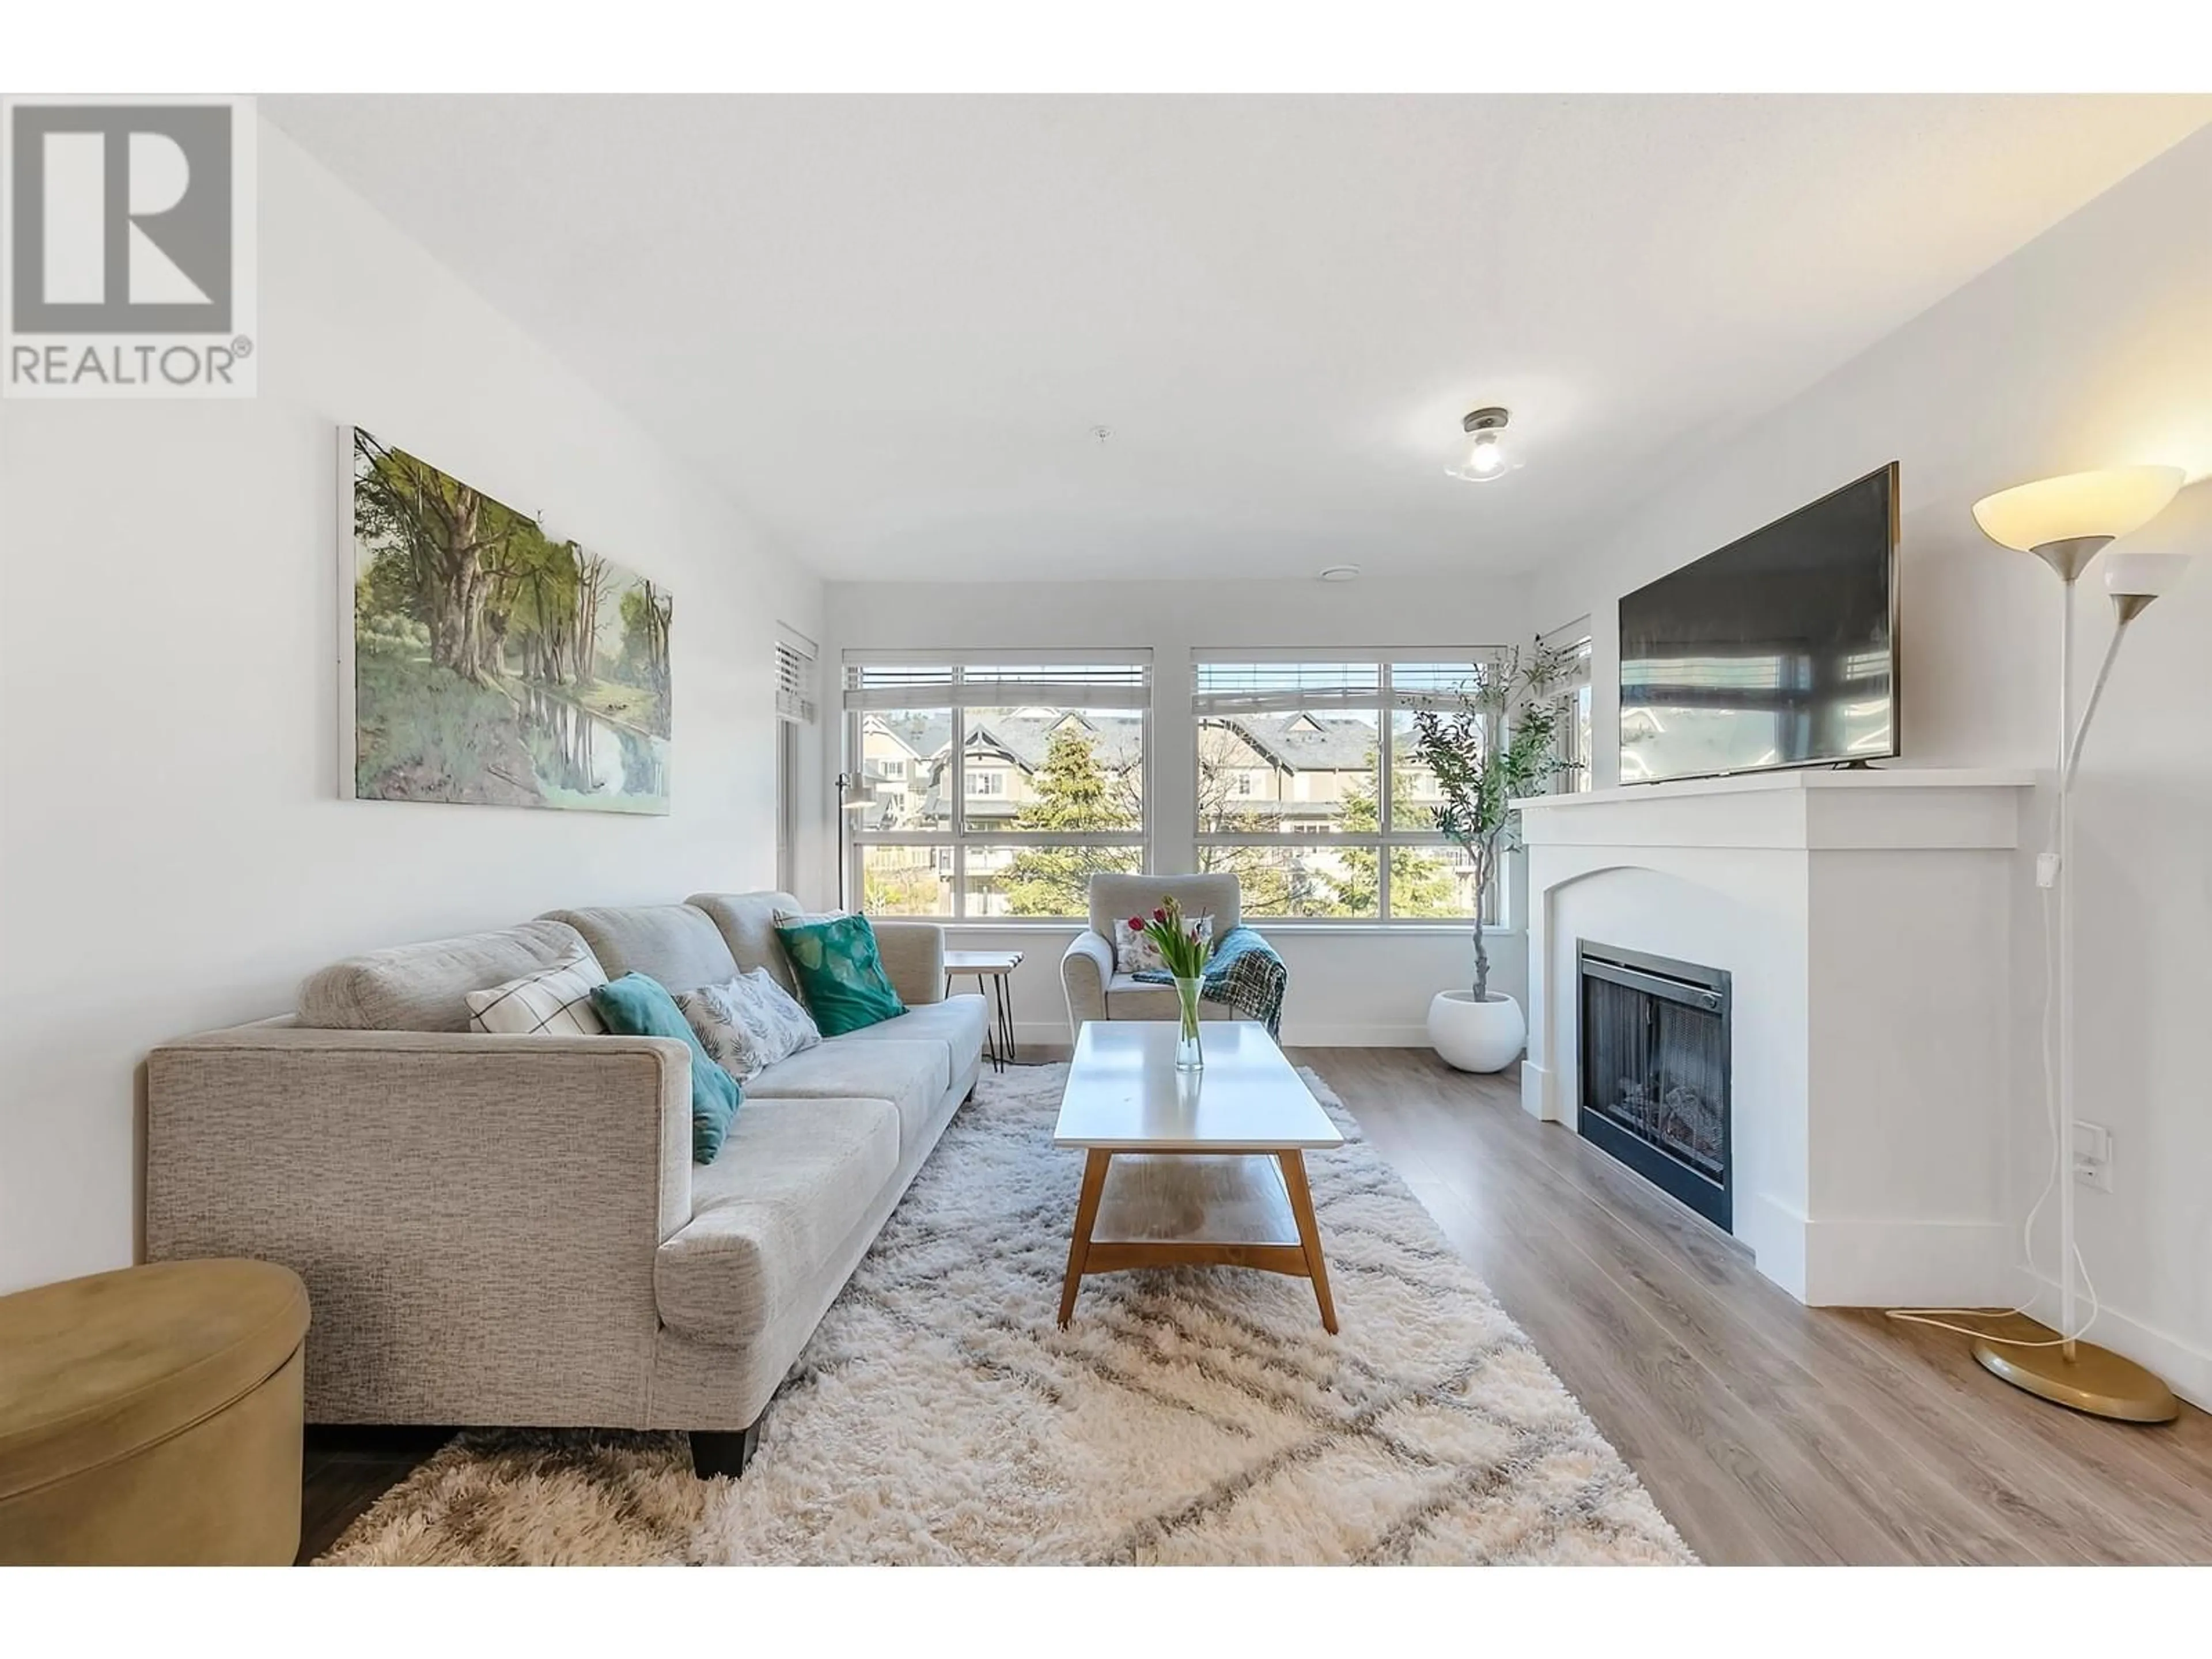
(1095,989)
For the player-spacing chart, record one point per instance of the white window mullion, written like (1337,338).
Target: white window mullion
(958,816)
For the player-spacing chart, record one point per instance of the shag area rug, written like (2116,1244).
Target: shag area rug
(1197,1415)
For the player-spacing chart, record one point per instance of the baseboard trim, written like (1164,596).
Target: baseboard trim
(1905,1263)
(1539,1094)
(1296,1034)
(2186,1367)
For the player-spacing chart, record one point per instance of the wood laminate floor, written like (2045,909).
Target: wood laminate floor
(1767,1432)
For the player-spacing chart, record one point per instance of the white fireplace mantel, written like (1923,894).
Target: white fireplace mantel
(1865,918)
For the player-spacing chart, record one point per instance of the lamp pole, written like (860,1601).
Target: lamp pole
(844,857)
(2069,558)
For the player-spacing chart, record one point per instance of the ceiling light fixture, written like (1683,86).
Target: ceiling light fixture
(1486,457)
(1341,573)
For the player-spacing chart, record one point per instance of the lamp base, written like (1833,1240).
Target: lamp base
(2095,1380)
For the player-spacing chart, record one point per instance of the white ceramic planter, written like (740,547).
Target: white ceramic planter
(1476,1036)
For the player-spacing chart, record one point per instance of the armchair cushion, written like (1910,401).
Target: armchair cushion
(1122,896)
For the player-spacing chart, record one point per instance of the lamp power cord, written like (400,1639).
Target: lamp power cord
(2047,876)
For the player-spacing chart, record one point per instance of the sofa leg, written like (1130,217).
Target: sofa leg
(717,1451)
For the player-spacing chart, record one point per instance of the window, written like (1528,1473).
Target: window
(1574,774)
(995,788)
(1311,793)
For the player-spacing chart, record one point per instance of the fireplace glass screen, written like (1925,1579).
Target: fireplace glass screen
(1653,1066)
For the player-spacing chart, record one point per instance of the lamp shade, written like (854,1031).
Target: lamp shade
(2079,506)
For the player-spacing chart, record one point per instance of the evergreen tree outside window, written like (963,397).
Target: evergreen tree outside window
(998,788)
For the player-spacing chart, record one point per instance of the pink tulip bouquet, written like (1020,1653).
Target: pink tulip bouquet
(1183,952)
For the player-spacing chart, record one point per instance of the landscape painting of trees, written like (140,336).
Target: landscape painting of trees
(493,665)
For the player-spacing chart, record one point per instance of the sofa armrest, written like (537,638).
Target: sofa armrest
(913,954)
(1087,967)
(475,1216)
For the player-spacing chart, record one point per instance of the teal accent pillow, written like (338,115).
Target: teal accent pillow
(839,972)
(634,1006)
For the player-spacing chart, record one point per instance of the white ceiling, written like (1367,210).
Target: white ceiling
(886,326)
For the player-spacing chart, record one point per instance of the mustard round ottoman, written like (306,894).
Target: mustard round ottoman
(152,1417)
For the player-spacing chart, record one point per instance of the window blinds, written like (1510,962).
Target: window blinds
(794,683)
(1063,681)
(1260,686)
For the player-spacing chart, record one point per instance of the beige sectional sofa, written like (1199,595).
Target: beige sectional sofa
(510,1229)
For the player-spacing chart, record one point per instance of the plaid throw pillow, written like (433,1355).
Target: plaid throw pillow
(553,1001)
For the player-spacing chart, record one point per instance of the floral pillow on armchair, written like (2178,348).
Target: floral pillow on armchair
(1135,953)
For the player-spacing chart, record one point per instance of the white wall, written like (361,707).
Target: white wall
(173,854)
(1348,985)
(2090,346)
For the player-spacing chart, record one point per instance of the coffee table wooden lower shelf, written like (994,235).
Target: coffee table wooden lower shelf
(1173,1209)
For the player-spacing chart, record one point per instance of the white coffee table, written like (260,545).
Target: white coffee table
(1208,1167)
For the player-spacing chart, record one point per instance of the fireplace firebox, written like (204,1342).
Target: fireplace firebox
(1655,1071)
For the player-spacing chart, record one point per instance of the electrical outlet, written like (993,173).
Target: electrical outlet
(2093,1156)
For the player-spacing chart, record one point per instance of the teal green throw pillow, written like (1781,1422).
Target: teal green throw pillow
(634,1006)
(839,973)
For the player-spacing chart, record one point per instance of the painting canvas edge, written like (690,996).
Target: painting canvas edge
(348,561)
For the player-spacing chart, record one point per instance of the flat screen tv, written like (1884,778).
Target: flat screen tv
(1778,650)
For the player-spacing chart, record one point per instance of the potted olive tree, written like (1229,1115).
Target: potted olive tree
(1499,743)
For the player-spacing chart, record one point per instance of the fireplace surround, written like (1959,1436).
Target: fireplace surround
(1865,919)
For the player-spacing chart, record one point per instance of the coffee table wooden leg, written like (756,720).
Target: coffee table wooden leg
(1294,1183)
(1078,1244)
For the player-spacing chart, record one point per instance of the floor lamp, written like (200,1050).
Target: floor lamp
(846,781)
(2066,522)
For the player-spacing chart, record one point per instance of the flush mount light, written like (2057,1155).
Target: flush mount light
(1341,573)
(1486,456)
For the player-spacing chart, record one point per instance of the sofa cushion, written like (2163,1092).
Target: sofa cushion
(956,1021)
(1136,999)
(675,944)
(840,974)
(794,1179)
(747,922)
(912,1076)
(424,988)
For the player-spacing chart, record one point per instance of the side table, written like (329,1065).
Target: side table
(993,971)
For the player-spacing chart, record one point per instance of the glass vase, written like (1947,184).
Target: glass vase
(1190,1055)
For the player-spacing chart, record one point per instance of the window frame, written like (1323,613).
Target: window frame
(994,691)
(1387,700)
